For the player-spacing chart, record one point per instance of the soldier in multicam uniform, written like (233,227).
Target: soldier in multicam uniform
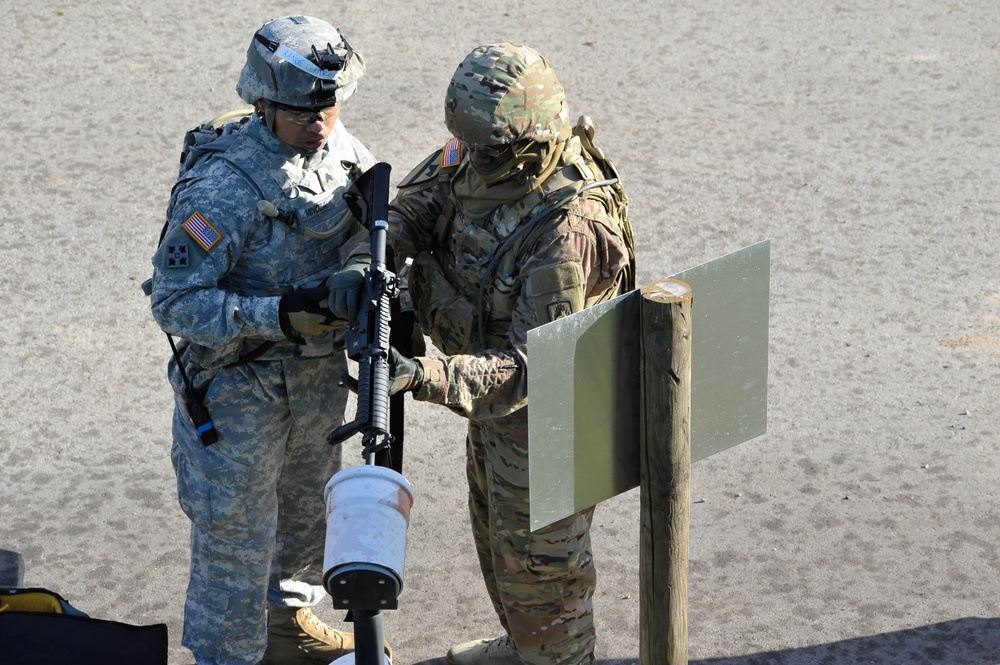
(517,221)
(253,234)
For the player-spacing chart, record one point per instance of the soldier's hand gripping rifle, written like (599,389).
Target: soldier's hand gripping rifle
(368,337)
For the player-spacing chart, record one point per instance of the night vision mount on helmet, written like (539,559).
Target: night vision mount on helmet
(300,61)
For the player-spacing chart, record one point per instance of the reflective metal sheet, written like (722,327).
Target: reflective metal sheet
(583,384)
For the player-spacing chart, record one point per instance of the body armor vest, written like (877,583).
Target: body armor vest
(465,291)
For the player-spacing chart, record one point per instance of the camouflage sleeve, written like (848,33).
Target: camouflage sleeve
(489,384)
(412,217)
(573,264)
(206,233)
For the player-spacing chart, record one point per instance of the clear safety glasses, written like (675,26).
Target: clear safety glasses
(304,116)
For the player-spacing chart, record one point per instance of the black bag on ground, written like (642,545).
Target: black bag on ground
(38,627)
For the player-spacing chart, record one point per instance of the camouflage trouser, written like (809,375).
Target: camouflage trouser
(541,584)
(255,499)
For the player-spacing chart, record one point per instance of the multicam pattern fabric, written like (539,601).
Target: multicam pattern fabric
(254,498)
(541,584)
(504,92)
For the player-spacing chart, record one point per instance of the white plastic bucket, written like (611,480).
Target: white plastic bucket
(367,514)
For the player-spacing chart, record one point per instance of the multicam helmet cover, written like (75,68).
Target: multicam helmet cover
(300,61)
(503,93)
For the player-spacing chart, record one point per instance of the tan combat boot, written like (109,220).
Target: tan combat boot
(296,636)
(499,651)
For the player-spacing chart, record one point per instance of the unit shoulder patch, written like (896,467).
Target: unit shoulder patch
(203,233)
(176,255)
(559,309)
(556,291)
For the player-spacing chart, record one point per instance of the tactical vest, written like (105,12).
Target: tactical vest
(298,208)
(465,293)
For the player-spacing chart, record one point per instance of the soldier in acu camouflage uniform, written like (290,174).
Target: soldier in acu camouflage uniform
(254,232)
(519,220)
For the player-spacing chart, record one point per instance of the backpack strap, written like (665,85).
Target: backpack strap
(617,202)
(210,139)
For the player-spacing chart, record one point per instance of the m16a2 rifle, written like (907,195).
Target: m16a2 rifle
(368,505)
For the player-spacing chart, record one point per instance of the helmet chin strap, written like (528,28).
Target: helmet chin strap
(266,112)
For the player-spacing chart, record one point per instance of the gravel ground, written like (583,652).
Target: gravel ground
(860,137)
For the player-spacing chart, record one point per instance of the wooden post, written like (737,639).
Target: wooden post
(665,472)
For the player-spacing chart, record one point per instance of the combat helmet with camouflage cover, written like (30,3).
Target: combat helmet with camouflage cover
(299,61)
(503,93)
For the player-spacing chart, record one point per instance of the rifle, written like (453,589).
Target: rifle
(368,505)
(368,337)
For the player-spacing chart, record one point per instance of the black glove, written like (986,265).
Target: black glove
(346,286)
(306,312)
(405,374)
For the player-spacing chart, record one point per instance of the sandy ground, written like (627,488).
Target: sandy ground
(860,137)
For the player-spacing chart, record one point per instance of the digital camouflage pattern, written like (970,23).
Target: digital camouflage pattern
(223,265)
(502,93)
(268,75)
(255,498)
(541,584)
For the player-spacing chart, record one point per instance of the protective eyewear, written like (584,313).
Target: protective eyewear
(304,116)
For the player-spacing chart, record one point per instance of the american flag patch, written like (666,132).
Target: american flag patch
(203,233)
(451,155)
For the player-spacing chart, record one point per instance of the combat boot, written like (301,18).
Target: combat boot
(296,636)
(499,651)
